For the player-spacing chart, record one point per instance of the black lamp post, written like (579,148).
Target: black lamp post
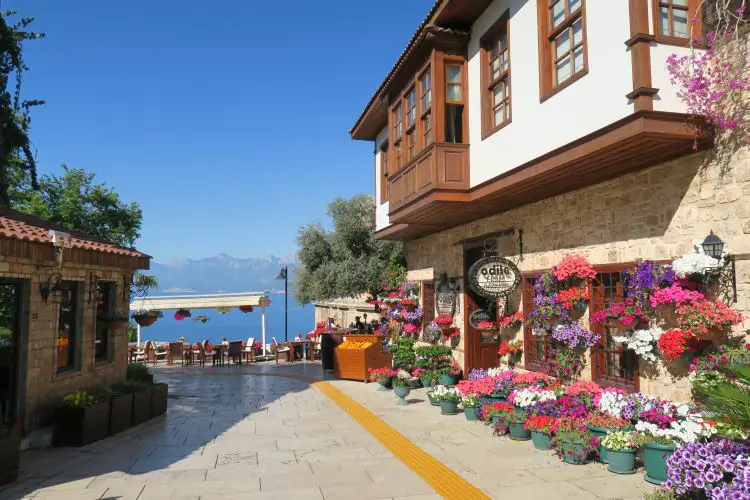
(284,275)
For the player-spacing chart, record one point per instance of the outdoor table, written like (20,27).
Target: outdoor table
(307,347)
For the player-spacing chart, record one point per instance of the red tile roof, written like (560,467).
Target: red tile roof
(18,226)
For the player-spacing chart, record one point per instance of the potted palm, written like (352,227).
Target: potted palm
(401,388)
(10,450)
(621,448)
(82,419)
(448,398)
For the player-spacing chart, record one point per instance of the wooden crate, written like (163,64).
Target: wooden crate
(354,364)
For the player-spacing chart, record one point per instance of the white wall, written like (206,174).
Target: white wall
(381,210)
(587,105)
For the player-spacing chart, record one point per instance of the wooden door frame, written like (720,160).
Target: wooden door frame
(21,347)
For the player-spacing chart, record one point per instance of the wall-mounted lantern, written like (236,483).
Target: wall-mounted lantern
(713,246)
(446,295)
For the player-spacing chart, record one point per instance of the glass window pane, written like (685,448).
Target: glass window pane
(428,98)
(574,5)
(579,59)
(562,43)
(504,60)
(578,31)
(454,74)
(454,92)
(495,65)
(664,20)
(563,70)
(680,2)
(499,115)
(497,95)
(558,13)
(680,23)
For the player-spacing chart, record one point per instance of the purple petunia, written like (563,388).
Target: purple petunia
(721,469)
(574,335)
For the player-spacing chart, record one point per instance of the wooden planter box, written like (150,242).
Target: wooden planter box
(142,406)
(159,399)
(354,363)
(80,426)
(10,451)
(120,413)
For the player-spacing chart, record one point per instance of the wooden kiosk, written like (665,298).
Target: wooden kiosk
(357,354)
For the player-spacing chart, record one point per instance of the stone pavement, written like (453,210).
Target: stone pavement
(241,432)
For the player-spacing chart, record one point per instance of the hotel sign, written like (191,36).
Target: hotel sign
(494,277)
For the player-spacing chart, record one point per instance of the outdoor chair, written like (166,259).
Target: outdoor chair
(279,349)
(176,351)
(153,354)
(141,353)
(234,352)
(249,350)
(206,353)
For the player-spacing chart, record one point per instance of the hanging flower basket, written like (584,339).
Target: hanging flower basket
(246,309)
(487,326)
(181,314)
(201,319)
(223,310)
(146,318)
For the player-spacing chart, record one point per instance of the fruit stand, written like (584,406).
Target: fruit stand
(357,354)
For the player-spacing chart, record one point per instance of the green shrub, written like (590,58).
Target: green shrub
(434,357)
(403,354)
(137,372)
(129,387)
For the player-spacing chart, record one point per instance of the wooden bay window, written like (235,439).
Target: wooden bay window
(454,102)
(425,107)
(384,189)
(563,57)
(397,136)
(674,20)
(495,60)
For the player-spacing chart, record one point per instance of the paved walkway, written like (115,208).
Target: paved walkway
(230,434)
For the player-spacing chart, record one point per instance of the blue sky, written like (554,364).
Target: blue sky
(227,121)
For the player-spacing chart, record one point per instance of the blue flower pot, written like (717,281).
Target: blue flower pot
(447,379)
(402,391)
(622,461)
(541,440)
(449,407)
(655,461)
(518,433)
(470,412)
(433,401)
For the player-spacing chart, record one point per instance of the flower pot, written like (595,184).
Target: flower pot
(142,406)
(574,453)
(448,407)
(495,419)
(541,440)
(120,412)
(655,461)
(145,319)
(415,383)
(426,382)
(470,412)
(402,391)
(447,379)
(498,397)
(159,399)
(385,384)
(433,401)
(514,358)
(10,452)
(518,433)
(80,426)
(600,432)
(621,461)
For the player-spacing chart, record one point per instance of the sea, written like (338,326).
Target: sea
(234,325)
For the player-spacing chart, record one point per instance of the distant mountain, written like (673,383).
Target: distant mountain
(221,273)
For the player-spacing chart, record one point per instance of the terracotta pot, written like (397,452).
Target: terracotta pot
(144,319)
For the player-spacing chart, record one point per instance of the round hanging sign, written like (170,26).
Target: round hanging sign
(494,277)
(477,317)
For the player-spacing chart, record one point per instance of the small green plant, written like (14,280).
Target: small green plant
(434,357)
(660,494)
(400,382)
(470,400)
(403,354)
(443,393)
(136,372)
(129,387)
(642,439)
(80,399)
(573,432)
(620,441)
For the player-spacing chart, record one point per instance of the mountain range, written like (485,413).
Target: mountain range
(221,273)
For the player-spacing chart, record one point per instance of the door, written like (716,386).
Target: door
(611,365)
(10,293)
(481,348)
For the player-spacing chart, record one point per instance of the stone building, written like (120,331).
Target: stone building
(585,151)
(63,296)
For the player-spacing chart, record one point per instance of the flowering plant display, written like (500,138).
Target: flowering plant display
(566,365)
(381,375)
(574,266)
(607,421)
(675,343)
(585,390)
(706,371)
(542,423)
(470,400)
(705,315)
(409,289)
(620,441)
(515,320)
(720,469)
(431,333)
(486,326)
(642,342)
(574,335)
(504,384)
(454,368)
(79,399)
(546,314)
(445,393)
(392,298)
(690,430)
(451,333)
(645,278)
(619,403)
(692,264)
(529,379)
(674,294)
(493,409)
(414,316)
(626,312)
(573,297)
(573,431)
(512,347)
(444,319)
(529,396)
(410,328)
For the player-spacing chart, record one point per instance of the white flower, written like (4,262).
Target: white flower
(494,372)
(443,392)
(530,396)
(693,263)
(643,342)
(612,403)
(685,431)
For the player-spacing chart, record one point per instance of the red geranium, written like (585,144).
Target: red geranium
(513,321)
(444,319)
(569,297)
(542,423)
(486,325)
(674,343)
(574,265)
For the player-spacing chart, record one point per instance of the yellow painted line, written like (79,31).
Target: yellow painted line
(446,482)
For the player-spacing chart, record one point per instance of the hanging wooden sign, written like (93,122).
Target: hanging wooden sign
(494,277)
(478,316)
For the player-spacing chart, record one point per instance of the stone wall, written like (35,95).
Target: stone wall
(658,213)
(343,311)
(44,388)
